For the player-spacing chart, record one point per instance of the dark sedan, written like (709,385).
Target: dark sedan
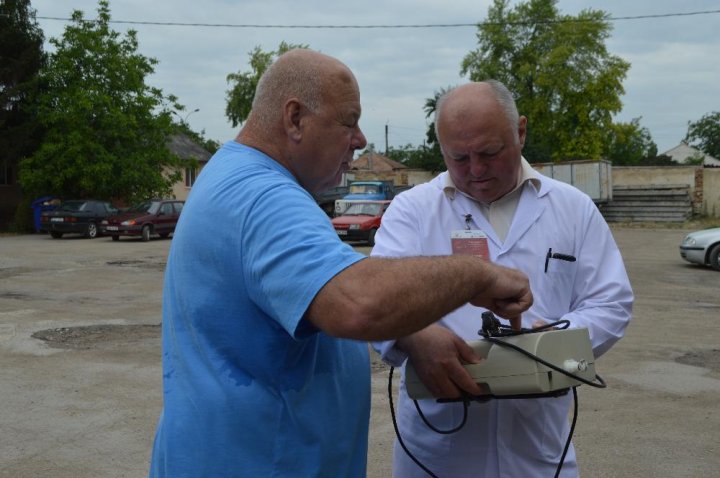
(76,217)
(155,216)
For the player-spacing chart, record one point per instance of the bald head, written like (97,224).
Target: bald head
(481,138)
(464,103)
(305,116)
(300,73)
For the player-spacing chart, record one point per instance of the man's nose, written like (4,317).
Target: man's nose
(359,140)
(477,166)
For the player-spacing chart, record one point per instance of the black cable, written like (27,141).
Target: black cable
(570,435)
(389,26)
(491,331)
(397,430)
(560,324)
(561,462)
(444,432)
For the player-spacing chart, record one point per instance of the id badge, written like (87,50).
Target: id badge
(470,241)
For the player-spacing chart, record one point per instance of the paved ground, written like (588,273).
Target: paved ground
(80,375)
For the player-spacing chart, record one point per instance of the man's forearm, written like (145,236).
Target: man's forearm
(377,299)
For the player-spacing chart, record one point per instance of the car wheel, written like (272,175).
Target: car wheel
(91,232)
(115,238)
(146,233)
(55,234)
(714,257)
(371,237)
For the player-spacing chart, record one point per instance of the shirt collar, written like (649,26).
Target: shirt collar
(527,174)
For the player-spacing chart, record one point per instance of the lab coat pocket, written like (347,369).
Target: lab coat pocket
(558,290)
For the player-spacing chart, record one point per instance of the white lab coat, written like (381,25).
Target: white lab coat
(509,438)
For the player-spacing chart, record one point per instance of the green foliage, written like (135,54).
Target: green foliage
(696,159)
(431,158)
(564,79)
(23,221)
(629,144)
(106,128)
(242,84)
(704,134)
(21,57)
(429,108)
(428,159)
(662,160)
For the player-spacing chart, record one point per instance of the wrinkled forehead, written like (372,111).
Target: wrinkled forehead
(341,80)
(471,116)
(341,89)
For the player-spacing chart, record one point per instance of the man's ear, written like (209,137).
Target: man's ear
(522,130)
(292,114)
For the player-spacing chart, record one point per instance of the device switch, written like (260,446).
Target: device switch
(572,365)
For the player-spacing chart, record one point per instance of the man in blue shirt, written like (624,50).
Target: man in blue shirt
(265,311)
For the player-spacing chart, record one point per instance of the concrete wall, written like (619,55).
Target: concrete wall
(644,175)
(704,183)
(179,190)
(711,192)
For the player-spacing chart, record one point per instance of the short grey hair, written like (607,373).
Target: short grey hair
(503,96)
(289,76)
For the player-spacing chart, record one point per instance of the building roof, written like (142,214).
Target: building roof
(375,162)
(682,152)
(185,148)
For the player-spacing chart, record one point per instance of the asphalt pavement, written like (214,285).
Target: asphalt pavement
(80,382)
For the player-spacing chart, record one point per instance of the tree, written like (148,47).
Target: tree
(421,157)
(629,144)
(21,57)
(106,128)
(662,160)
(704,134)
(431,157)
(430,108)
(242,90)
(564,79)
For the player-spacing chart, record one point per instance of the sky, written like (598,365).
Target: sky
(674,76)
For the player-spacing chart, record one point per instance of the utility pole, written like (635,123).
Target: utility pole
(386,139)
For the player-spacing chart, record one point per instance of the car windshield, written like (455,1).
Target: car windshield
(363,208)
(364,189)
(150,207)
(73,206)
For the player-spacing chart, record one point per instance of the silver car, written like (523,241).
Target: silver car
(702,247)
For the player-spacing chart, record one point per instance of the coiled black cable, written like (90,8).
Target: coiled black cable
(492,331)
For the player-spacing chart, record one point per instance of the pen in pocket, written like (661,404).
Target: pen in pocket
(557,255)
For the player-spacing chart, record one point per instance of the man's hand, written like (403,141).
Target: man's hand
(507,294)
(437,355)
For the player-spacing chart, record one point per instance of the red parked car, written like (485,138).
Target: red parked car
(360,221)
(155,216)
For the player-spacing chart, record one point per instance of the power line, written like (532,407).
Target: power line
(429,25)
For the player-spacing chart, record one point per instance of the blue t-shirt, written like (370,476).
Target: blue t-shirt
(251,388)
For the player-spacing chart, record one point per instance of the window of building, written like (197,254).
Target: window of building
(7,174)
(190,176)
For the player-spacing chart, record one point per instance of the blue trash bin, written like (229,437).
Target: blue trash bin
(45,203)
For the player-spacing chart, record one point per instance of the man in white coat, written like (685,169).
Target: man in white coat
(515,217)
